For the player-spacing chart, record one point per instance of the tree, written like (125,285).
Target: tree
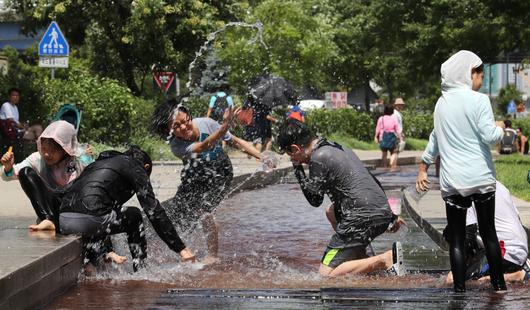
(125,38)
(214,76)
(297,44)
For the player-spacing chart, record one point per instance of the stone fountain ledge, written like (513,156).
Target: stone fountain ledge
(36,267)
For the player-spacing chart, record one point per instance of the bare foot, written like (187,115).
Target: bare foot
(42,234)
(115,258)
(208,260)
(44,225)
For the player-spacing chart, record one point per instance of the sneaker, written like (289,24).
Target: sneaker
(397,259)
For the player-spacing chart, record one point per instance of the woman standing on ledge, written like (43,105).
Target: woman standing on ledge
(464,129)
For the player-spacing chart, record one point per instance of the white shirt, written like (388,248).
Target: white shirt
(9,110)
(399,119)
(508,226)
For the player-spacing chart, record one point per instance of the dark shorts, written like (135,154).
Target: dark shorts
(479,267)
(203,187)
(333,257)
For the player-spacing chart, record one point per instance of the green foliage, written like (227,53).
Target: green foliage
(512,171)
(417,125)
(198,106)
(524,123)
(111,114)
(415,144)
(24,74)
(506,94)
(297,44)
(123,39)
(348,121)
(352,143)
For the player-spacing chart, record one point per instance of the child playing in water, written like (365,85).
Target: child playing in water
(93,204)
(207,172)
(360,210)
(43,174)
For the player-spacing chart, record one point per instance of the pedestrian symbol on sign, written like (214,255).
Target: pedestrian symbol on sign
(53,42)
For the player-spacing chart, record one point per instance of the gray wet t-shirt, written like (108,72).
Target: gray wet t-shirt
(361,206)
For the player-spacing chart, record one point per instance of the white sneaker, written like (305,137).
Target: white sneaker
(397,259)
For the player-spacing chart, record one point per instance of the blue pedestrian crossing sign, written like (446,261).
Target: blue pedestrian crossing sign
(53,43)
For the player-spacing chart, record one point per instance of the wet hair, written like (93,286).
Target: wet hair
(293,132)
(12,89)
(141,156)
(56,146)
(389,110)
(478,69)
(508,123)
(162,116)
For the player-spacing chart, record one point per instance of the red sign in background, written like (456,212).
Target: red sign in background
(164,80)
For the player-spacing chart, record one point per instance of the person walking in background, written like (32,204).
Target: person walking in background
(464,129)
(9,116)
(387,133)
(399,104)
(296,113)
(219,102)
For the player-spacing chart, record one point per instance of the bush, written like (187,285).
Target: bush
(357,125)
(524,123)
(417,125)
(111,114)
(506,94)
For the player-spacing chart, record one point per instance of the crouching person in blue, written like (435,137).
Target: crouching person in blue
(93,204)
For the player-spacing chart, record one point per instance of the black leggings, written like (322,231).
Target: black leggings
(44,200)
(456,209)
(96,229)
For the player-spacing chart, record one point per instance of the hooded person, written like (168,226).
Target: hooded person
(464,130)
(44,173)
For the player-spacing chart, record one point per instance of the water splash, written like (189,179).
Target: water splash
(212,36)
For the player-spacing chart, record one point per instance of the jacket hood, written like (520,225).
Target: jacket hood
(63,133)
(456,71)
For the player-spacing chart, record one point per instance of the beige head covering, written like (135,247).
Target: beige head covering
(456,71)
(63,133)
(399,101)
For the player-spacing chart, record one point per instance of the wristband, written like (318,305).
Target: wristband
(10,172)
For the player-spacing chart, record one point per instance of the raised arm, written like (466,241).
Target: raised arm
(208,143)
(244,146)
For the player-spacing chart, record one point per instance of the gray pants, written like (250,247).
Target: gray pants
(95,229)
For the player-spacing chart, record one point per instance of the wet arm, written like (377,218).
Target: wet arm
(208,143)
(244,146)
(154,211)
(311,192)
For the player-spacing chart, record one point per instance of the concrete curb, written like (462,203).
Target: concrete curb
(424,224)
(42,279)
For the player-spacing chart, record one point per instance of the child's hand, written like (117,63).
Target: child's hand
(187,256)
(8,160)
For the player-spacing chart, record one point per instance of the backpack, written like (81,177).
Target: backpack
(508,142)
(389,139)
(219,107)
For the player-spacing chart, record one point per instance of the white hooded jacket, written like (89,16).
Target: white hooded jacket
(464,129)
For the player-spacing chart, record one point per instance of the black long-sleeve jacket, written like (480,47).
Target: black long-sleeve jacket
(110,182)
